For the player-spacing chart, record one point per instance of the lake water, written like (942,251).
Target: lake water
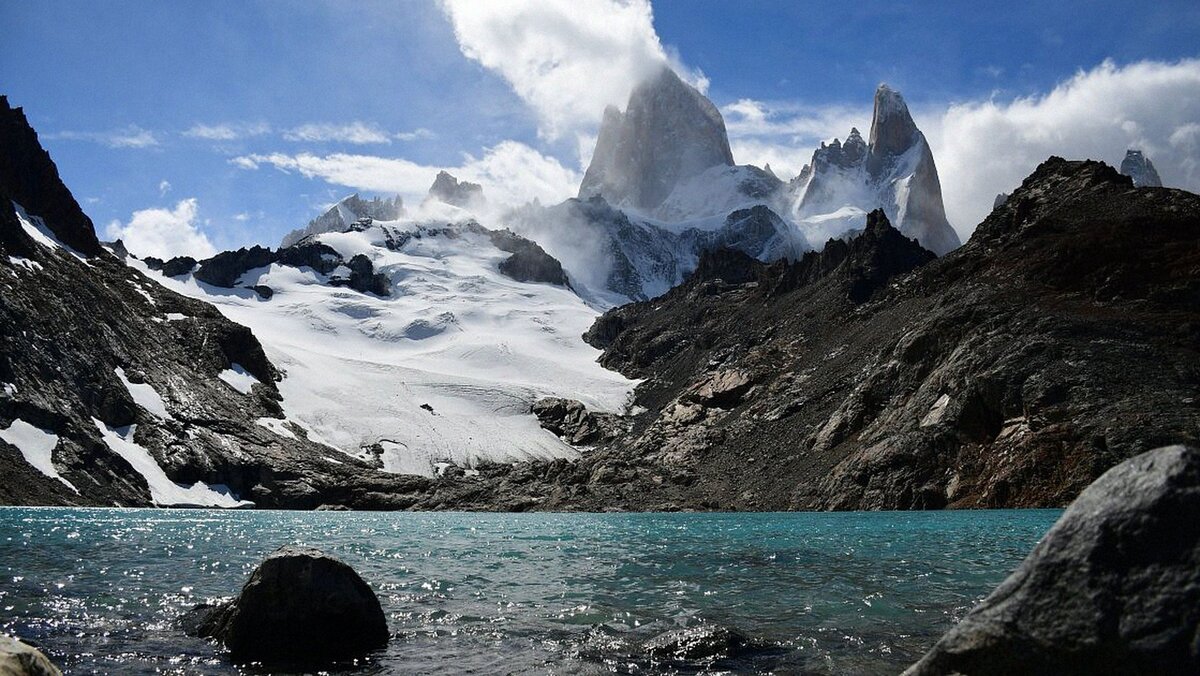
(100,590)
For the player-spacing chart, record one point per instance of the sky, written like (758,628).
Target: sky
(189,127)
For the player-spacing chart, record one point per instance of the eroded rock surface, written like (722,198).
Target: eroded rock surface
(1113,588)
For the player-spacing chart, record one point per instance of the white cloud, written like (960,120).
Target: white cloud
(164,232)
(164,187)
(359,133)
(132,136)
(227,132)
(567,59)
(986,147)
(511,173)
(785,134)
(415,135)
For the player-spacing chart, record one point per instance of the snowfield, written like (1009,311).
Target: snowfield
(444,370)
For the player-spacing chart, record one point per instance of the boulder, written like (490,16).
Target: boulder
(299,607)
(698,643)
(1113,588)
(568,419)
(20,659)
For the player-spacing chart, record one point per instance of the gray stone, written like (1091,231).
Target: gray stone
(20,659)
(1113,588)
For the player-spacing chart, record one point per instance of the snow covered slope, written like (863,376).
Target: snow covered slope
(444,368)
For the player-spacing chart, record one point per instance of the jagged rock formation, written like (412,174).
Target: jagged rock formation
(895,172)
(446,188)
(1139,167)
(1114,587)
(345,213)
(30,178)
(668,133)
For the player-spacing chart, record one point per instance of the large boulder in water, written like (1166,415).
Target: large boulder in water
(1113,588)
(299,607)
(19,659)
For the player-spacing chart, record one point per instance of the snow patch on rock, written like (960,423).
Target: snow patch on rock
(163,491)
(144,395)
(238,378)
(37,446)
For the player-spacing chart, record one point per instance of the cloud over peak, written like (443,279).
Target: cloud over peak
(567,59)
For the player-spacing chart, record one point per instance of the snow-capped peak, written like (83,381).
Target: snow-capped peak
(344,213)
(894,172)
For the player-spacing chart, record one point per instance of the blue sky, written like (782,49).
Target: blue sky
(259,113)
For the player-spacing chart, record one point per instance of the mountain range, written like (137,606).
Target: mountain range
(686,333)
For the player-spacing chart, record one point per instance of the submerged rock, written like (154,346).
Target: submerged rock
(300,606)
(698,643)
(1114,587)
(20,659)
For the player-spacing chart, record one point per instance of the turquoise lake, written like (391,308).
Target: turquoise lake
(100,590)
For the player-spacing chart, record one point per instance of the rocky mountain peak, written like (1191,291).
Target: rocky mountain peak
(892,128)
(668,133)
(30,178)
(446,188)
(1139,167)
(895,172)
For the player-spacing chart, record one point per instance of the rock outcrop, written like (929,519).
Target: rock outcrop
(345,213)
(894,171)
(1139,167)
(21,659)
(300,607)
(448,189)
(668,133)
(1113,588)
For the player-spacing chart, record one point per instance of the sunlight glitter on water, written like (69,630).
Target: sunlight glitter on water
(568,593)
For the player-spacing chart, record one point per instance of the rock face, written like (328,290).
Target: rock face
(298,607)
(446,188)
(1114,587)
(30,178)
(1139,167)
(895,172)
(345,213)
(668,133)
(19,659)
